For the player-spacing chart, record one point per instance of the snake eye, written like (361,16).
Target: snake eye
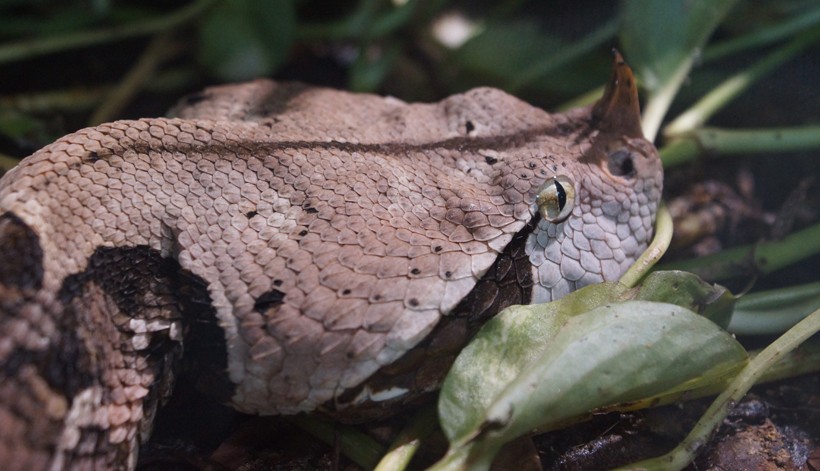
(556,198)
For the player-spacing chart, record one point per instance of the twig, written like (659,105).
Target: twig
(84,98)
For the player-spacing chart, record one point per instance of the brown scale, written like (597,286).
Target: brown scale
(422,369)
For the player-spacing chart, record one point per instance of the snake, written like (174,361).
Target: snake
(295,249)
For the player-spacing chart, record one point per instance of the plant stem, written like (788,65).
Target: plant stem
(713,101)
(134,80)
(774,311)
(358,446)
(470,456)
(585,99)
(653,253)
(408,441)
(749,260)
(83,98)
(763,36)
(31,48)
(744,141)
(680,151)
(718,142)
(658,103)
(685,452)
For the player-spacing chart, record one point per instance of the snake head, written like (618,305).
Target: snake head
(618,144)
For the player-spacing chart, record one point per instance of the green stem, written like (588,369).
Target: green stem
(653,253)
(72,99)
(660,99)
(745,141)
(748,260)
(359,447)
(713,101)
(686,451)
(680,151)
(763,36)
(408,441)
(774,311)
(82,98)
(31,48)
(718,142)
(469,456)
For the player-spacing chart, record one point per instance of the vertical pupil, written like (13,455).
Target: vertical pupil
(562,195)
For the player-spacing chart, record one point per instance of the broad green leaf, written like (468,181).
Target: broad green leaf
(518,55)
(509,342)
(615,353)
(241,39)
(502,348)
(684,453)
(661,39)
(687,290)
(504,48)
(657,35)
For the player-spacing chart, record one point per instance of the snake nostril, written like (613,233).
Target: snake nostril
(621,163)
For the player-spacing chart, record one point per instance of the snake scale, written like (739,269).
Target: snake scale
(294,249)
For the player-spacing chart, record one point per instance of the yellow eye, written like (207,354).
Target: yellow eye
(556,198)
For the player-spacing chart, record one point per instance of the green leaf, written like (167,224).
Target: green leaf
(517,54)
(503,347)
(658,35)
(687,290)
(507,344)
(661,39)
(615,353)
(241,39)
(502,49)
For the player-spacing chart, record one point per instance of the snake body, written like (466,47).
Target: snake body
(294,249)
